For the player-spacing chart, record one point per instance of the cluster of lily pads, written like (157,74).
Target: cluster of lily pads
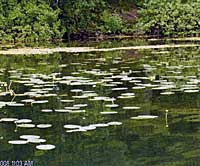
(25,139)
(92,82)
(75,128)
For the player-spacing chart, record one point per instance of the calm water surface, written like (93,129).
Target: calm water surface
(97,88)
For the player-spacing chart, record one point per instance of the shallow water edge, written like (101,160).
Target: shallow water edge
(88,49)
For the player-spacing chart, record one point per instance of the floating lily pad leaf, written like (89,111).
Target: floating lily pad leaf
(126,79)
(191,91)
(62,110)
(135,81)
(23,121)
(117,83)
(88,91)
(72,108)
(15,104)
(119,89)
(114,123)
(80,97)
(98,98)
(46,110)
(46,147)
(138,87)
(50,95)
(40,102)
(162,88)
(100,125)
(109,99)
(90,94)
(67,101)
(128,94)
(125,97)
(109,85)
(167,93)
(76,111)
(76,90)
(131,108)
(27,100)
(90,127)
(144,117)
(71,126)
(80,105)
(27,125)
(111,105)
(8,119)
(18,142)
(2,104)
(36,140)
(149,85)
(76,130)
(44,126)
(108,112)
(29,136)
(4,93)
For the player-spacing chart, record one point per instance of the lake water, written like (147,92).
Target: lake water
(132,108)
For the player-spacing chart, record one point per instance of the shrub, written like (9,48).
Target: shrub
(112,23)
(164,17)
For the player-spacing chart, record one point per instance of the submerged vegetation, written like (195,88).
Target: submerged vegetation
(33,20)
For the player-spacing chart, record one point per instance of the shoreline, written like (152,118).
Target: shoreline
(34,51)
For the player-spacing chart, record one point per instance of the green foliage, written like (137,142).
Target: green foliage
(170,17)
(82,15)
(34,20)
(28,20)
(112,23)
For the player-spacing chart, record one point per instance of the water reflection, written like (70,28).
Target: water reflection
(63,89)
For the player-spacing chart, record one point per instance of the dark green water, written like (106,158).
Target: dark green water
(171,139)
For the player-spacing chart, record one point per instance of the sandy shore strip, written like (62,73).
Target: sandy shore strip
(197,39)
(30,51)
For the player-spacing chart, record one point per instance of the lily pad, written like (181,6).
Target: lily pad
(144,117)
(76,111)
(8,119)
(76,130)
(111,105)
(108,112)
(27,125)
(119,89)
(90,127)
(100,125)
(44,126)
(23,121)
(40,102)
(71,126)
(36,140)
(67,101)
(114,123)
(45,147)
(18,142)
(191,91)
(62,110)
(15,104)
(29,136)
(167,93)
(46,110)
(131,108)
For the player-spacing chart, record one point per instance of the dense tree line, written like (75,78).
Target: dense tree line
(170,18)
(31,20)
